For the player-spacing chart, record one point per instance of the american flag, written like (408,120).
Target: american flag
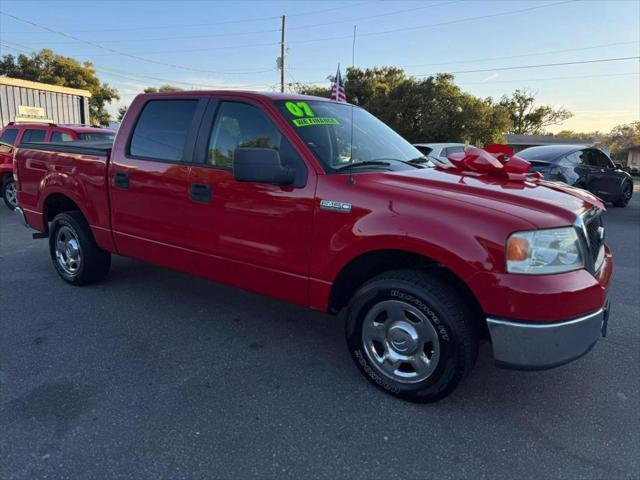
(337,91)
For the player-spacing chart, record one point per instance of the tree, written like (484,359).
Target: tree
(46,67)
(163,88)
(527,118)
(623,137)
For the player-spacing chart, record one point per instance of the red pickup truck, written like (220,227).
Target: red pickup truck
(319,203)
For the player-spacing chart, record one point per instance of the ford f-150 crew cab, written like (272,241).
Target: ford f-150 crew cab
(317,202)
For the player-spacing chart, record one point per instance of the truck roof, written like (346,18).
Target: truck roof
(244,93)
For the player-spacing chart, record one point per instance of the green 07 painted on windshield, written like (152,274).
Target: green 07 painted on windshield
(299,109)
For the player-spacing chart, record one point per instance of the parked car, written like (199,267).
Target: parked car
(253,190)
(583,167)
(16,133)
(438,153)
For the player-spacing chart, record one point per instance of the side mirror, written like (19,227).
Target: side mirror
(619,166)
(260,165)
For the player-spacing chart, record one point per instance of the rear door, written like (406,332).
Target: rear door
(253,235)
(149,182)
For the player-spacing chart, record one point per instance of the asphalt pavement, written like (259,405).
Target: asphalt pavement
(154,374)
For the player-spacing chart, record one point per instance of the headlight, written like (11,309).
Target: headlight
(542,252)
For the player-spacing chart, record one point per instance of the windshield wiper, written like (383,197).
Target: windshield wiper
(364,163)
(414,162)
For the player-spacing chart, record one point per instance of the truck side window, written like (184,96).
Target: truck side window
(240,125)
(162,128)
(33,135)
(61,137)
(9,136)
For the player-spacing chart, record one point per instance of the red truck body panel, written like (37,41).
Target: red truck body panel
(276,240)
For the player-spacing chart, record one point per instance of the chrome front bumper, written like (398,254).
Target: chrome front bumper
(538,346)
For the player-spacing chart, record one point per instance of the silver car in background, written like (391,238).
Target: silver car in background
(438,152)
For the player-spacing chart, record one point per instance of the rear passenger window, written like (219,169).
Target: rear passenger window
(9,136)
(162,128)
(61,137)
(33,136)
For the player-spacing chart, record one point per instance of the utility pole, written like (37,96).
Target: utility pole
(282,56)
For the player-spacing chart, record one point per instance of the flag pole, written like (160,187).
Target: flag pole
(282,56)
(353,48)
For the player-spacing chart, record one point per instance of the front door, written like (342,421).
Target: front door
(251,235)
(149,183)
(604,181)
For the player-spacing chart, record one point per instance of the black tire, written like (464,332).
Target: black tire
(625,195)
(9,192)
(449,316)
(92,265)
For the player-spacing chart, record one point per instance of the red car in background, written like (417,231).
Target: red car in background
(17,133)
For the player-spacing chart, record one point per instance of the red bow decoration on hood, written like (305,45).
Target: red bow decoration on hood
(477,160)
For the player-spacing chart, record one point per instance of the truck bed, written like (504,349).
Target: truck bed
(49,172)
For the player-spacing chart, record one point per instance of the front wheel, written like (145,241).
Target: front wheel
(411,334)
(10,193)
(625,195)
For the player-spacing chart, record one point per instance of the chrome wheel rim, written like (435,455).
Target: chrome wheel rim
(67,250)
(400,342)
(11,194)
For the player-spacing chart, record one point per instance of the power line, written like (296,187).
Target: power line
(450,22)
(487,59)
(573,77)
(133,56)
(523,80)
(139,77)
(298,27)
(520,67)
(210,24)
(144,78)
(385,32)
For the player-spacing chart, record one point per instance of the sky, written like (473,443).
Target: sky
(235,44)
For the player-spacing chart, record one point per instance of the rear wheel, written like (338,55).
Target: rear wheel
(9,192)
(625,195)
(74,252)
(411,335)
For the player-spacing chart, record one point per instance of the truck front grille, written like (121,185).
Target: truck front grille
(594,229)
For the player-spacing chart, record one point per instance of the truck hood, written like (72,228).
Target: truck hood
(542,203)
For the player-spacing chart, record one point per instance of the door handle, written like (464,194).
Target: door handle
(200,192)
(121,180)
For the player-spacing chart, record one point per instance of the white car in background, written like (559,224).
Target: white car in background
(438,152)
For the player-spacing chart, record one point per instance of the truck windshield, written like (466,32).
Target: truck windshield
(337,132)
